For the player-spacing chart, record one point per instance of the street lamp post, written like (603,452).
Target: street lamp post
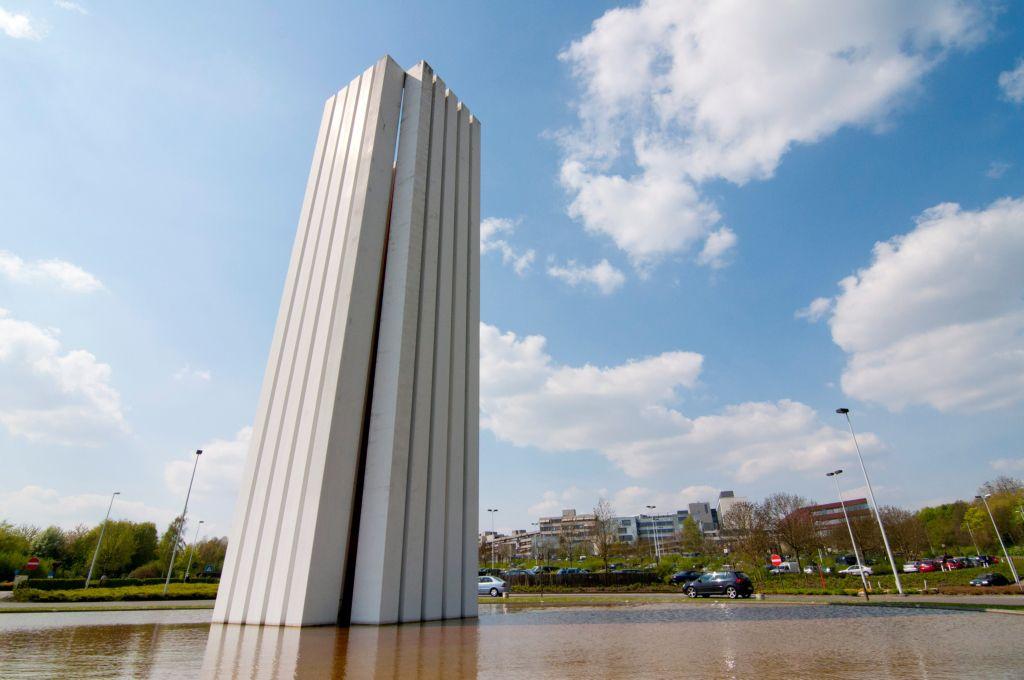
(184,512)
(856,553)
(654,527)
(493,535)
(192,550)
(103,528)
(973,540)
(1009,560)
(871,496)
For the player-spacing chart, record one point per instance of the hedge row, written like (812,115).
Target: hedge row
(177,591)
(77,583)
(583,580)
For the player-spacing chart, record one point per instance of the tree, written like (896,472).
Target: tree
(691,537)
(174,534)
(749,539)
(49,543)
(605,531)
(116,551)
(791,525)
(905,530)
(145,544)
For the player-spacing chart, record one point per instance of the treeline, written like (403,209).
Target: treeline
(753,530)
(128,550)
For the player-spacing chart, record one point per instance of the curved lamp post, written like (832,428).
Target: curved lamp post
(103,528)
(874,505)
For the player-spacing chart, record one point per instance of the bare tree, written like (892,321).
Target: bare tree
(605,535)
(790,523)
(749,538)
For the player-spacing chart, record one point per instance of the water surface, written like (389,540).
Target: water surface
(707,639)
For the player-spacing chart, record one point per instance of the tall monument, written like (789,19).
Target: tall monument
(359,498)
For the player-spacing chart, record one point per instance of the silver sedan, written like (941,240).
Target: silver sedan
(489,585)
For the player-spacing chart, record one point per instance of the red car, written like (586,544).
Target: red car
(955,563)
(926,567)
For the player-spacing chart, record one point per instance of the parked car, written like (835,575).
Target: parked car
(813,568)
(489,572)
(629,571)
(926,566)
(855,571)
(993,579)
(956,563)
(570,570)
(911,567)
(491,585)
(732,584)
(517,572)
(543,569)
(681,577)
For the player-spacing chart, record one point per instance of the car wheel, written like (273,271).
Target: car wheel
(731,593)
(494,592)
(691,592)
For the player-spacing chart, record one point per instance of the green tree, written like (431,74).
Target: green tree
(49,543)
(165,548)
(115,555)
(691,539)
(145,544)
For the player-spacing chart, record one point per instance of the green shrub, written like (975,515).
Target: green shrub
(149,570)
(176,591)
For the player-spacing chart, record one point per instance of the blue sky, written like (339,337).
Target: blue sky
(665,187)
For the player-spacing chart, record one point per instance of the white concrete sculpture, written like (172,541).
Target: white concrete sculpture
(359,499)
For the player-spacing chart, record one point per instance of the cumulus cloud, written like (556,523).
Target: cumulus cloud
(676,94)
(188,374)
(997,169)
(71,6)
(630,500)
(219,471)
(61,273)
(51,395)
(493,234)
(717,248)
(43,506)
(19,26)
(603,275)
(1012,83)
(938,316)
(628,414)
(817,309)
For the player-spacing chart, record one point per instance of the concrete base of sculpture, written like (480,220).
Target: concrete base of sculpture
(359,499)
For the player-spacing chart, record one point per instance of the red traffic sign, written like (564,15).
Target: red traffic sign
(776,561)
(32,564)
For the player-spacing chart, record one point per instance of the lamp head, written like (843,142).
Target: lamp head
(842,411)
(199,452)
(117,493)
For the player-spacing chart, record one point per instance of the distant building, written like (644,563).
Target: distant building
(644,527)
(570,530)
(827,515)
(726,501)
(705,517)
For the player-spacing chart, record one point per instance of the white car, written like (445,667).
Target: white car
(490,585)
(910,567)
(856,570)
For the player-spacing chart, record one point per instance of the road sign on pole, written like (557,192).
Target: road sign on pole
(776,561)
(32,564)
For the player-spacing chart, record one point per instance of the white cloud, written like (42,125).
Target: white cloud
(997,169)
(71,6)
(42,507)
(50,395)
(490,229)
(717,248)
(603,275)
(676,94)
(188,374)
(1012,83)
(938,316)
(813,312)
(219,471)
(68,276)
(1008,464)
(19,26)
(630,500)
(627,413)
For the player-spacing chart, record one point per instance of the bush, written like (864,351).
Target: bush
(177,591)
(77,583)
(148,570)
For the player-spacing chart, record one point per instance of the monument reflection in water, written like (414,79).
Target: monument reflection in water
(428,650)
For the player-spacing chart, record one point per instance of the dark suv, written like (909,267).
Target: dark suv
(732,584)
